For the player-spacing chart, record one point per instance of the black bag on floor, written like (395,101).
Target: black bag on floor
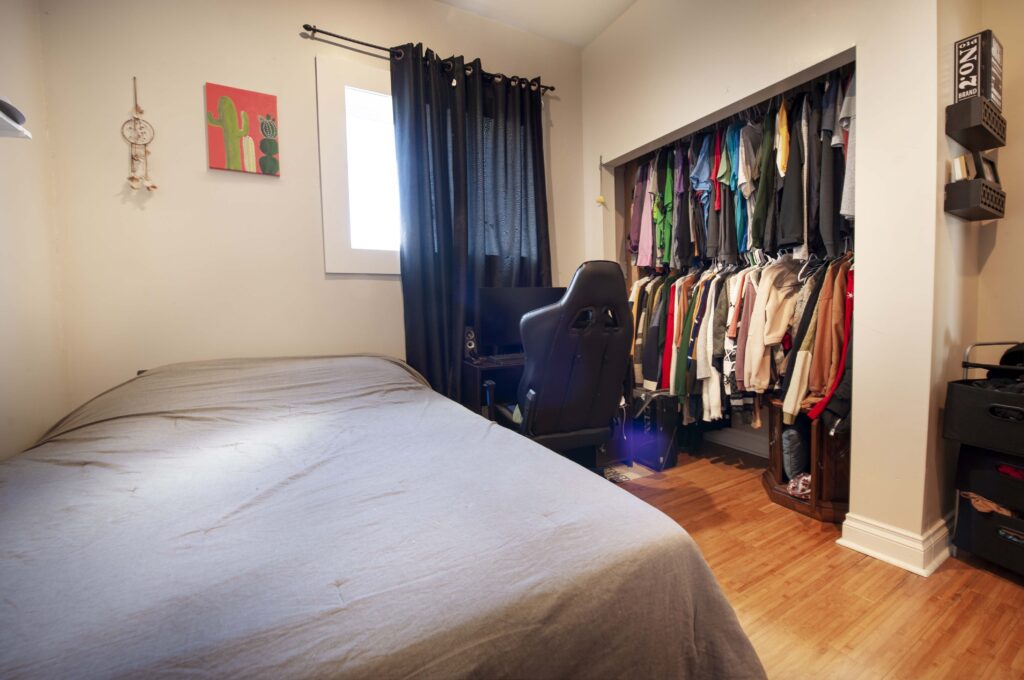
(654,429)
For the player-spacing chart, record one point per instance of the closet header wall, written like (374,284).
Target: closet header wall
(844,58)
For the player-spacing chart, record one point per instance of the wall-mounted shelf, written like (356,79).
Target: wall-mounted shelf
(975,200)
(8,128)
(976,124)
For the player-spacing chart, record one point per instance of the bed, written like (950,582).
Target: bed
(334,517)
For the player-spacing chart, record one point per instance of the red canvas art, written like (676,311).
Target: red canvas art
(241,130)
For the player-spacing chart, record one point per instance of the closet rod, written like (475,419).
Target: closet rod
(313,30)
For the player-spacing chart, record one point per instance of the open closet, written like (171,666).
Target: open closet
(739,239)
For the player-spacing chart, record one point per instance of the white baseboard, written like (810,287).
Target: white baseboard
(920,554)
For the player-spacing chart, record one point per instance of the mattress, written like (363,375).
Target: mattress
(334,517)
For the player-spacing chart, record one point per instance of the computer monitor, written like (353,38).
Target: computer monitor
(499,310)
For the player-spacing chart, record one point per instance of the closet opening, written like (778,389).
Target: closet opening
(737,235)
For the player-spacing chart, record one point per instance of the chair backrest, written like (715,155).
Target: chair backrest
(577,353)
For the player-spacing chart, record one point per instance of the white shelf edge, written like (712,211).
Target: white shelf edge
(8,128)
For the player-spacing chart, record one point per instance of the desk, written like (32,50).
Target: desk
(505,373)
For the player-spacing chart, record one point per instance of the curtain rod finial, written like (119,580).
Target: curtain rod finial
(309,27)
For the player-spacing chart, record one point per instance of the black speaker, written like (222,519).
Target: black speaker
(469,344)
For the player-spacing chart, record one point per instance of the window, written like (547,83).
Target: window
(373,171)
(358,167)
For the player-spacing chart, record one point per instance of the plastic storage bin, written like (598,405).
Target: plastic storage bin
(991,536)
(978,471)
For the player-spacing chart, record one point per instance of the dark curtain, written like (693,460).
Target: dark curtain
(473,199)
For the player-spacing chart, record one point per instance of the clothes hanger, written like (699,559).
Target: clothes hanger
(814,262)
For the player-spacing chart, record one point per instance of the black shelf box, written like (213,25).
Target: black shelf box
(976,123)
(975,200)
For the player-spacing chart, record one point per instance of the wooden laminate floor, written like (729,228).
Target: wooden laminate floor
(816,610)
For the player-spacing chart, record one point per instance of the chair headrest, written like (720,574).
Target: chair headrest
(596,282)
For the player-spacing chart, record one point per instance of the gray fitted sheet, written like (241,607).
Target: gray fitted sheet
(333,517)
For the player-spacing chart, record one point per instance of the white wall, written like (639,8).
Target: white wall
(663,65)
(33,381)
(956,265)
(215,263)
(1001,243)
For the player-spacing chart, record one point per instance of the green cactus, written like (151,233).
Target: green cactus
(268,126)
(228,123)
(269,165)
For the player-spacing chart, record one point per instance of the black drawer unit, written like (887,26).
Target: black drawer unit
(989,419)
(989,424)
(982,417)
(991,536)
(993,475)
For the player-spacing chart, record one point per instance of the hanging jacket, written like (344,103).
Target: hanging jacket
(844,359)
(836,415)
(652,356)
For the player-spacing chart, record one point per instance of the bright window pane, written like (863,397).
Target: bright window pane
(372,171)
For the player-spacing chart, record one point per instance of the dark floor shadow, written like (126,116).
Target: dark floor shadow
(723,455)
(965,560)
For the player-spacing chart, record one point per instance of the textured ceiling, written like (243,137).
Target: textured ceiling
(575,22)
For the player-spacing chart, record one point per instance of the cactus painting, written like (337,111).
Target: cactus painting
(241,130)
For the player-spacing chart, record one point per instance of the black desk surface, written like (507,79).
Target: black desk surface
(505,370)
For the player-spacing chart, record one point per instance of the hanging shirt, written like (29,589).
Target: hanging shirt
(747,176)
(747,171)
(677,297)
(764,198)
(700,175)
(742,328)
(639,191)
(782,140)
(717,169)
(848,122)
(827,192)
(644,256)
(791,212)
(724,175)
(681,241)
(668,196)
(801,251)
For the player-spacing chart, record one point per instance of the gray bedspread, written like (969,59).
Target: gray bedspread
(327,517)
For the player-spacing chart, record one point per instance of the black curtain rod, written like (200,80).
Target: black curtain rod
(313,30)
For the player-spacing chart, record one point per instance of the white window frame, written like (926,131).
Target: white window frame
(333,74)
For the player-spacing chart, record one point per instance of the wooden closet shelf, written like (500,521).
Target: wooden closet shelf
(829,467)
